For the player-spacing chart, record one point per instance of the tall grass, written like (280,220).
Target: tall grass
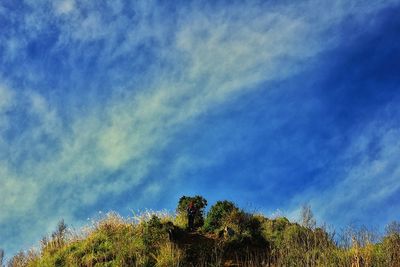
(144,240)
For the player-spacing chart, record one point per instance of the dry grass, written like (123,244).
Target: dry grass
(142,240)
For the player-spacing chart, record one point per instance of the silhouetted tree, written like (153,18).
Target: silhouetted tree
(200,204)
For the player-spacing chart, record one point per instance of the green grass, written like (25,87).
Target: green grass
(257,241)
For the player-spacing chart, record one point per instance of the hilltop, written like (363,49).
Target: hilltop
(225,236)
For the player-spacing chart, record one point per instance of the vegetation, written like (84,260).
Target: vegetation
(219,215)
(229,236)
(199,202)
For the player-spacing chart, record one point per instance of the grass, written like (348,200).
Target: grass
(160,239)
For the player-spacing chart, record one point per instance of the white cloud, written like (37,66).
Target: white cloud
(64,7)
(17,195)
(375,177)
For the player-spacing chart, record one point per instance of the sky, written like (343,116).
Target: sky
(116,105)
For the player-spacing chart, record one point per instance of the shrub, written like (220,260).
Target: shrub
(218,214)
(154,233)
(273,230)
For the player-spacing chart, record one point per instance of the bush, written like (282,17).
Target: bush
(154,233)
(273,230)
(218,214)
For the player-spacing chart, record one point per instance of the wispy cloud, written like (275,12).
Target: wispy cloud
(64,7)
(365,176)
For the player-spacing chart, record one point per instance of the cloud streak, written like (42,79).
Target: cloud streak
(368,175)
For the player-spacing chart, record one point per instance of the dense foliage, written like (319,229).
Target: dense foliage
(199,202)
(230,237)
(219,214)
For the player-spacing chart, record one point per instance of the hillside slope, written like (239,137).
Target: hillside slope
(227,237)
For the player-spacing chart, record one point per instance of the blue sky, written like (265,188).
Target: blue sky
(121,105)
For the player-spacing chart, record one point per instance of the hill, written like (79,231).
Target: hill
(226,236)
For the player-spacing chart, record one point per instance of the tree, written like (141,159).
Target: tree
(307,217)
(199,202)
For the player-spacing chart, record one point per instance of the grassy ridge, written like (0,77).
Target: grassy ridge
(228,237)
